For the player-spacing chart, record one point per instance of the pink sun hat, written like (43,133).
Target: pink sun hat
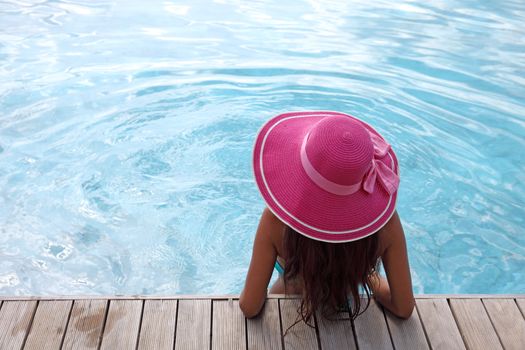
(327,175)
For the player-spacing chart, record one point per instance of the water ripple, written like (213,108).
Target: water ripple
(126,134)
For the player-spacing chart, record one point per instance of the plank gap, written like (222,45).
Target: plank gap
(176,322)
(423,326)
(101,336)
(317,332)
(30,325)
(492,323)
(140,325)
(388,326)
(457,324)
(280,323)
(518,304)
(354,331)
(67,324)
(246,333)
(211,324)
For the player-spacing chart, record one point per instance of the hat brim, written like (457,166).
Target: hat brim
(297,201)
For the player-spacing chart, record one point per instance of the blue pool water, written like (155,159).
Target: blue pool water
(126,132)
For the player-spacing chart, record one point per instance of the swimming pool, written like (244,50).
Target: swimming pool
(126,133)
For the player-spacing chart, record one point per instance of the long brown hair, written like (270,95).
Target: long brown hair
(330,272)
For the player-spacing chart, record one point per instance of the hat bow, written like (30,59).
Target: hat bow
(379,171)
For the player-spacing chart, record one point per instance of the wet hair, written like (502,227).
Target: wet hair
(330,273)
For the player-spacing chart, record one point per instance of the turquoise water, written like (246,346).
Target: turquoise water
(126,133)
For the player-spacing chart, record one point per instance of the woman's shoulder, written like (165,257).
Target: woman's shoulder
(391,234)
(270,218)
(275,228)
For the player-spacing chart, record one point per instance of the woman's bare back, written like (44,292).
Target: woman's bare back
(393,292)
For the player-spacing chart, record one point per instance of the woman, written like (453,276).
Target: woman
(330,184)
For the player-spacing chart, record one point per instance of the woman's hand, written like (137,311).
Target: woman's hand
(380,288)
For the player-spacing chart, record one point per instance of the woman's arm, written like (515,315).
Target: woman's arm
(261,266)
(395,292)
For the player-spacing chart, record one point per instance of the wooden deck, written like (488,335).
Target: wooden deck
(439,322)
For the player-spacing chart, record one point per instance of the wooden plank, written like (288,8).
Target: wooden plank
(439,324)
(193,325)
(470,296)
(236,296)
(474,324)
(49,325)
(508,322)
(229,325)
(441,330)
(85,325)
(300,336)
(158,324)
(407,334)
(264,331)
(371,328)
(15,320)
(122,324)
(336,333)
